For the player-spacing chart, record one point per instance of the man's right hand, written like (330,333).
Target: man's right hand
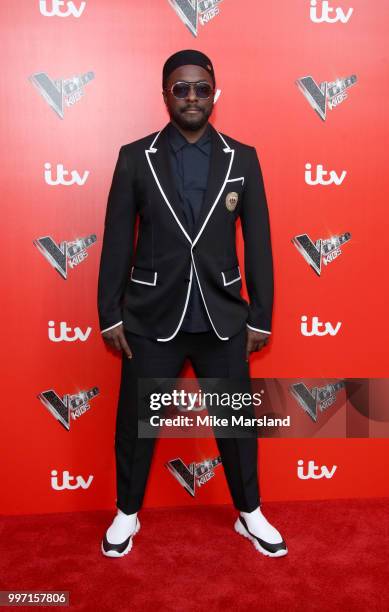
(116,339)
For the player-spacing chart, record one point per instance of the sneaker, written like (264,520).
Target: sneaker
(118,550)
(278,549)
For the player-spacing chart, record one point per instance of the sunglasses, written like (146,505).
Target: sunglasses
(181,89)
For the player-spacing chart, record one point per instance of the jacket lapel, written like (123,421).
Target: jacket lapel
(159,162)
(219,170)
(220,165)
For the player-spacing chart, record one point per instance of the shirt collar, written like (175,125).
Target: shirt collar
(178,141)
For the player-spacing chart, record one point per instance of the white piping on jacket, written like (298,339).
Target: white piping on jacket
(144,282)
(227,149)
(234,280)
(240,178)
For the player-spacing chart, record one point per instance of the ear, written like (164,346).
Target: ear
(164,96)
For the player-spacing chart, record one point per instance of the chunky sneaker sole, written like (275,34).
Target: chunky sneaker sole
(266,548)
(119,550)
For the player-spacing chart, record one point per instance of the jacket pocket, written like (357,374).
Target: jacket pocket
(238,181)
(231,276)
(144,277)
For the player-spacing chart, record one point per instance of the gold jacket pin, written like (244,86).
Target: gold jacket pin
(231,200)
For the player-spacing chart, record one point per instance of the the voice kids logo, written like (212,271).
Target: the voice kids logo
(326,94)
(322,11)
(67,481)
(64,254)
(60,173)
(69,407)
(317,399)
(193,475)
(57,8)
(324,250)
(59,93)
(319,179)
(193,12)
(63,334)
(314,471)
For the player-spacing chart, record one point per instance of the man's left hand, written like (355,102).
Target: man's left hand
(255,341)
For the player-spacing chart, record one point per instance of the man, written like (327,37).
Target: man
(177,294)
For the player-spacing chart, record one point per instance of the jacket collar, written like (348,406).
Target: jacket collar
(220,166)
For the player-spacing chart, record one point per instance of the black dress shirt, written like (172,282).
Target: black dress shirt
(190,166)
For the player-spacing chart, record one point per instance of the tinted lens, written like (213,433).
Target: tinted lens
(203,90)
(181,90)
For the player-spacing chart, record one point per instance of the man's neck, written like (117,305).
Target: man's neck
(190,135)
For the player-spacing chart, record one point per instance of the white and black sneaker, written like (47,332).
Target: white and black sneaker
(118,550)
(277,549)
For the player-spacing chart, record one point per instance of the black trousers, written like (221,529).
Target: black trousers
(210,358)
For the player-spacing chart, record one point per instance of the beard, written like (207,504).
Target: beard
(189,122)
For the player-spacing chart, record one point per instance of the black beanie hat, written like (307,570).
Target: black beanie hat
(185,57)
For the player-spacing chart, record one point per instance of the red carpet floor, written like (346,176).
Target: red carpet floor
(191,559)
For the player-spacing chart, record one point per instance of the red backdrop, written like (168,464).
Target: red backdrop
(259,50)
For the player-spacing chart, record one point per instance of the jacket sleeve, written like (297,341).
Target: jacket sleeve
(117,247)
(258,257)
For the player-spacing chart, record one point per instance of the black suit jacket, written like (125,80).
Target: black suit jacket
(146,286)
